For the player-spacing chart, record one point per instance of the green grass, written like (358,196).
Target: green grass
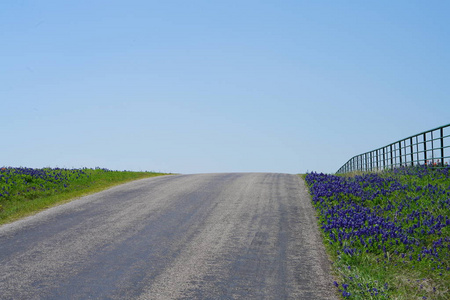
(25,191)
(379,228)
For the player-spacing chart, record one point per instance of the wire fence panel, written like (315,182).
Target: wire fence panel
(429,147)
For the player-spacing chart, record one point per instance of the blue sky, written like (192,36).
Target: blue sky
(217,86)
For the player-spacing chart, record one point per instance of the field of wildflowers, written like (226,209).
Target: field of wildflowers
(28,183)
(387,233)
(24,190)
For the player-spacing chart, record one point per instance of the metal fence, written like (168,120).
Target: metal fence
(429,147)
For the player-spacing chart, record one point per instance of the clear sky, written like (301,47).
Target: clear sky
(217,86)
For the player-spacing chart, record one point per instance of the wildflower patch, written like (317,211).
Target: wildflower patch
(388,233)
(26,190)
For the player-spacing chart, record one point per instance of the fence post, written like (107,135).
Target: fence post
(367,165)
(442,146)
(412,155)
(400,152)
(417,150)
(425,147)
(377,158)
(432,148)
(392,158)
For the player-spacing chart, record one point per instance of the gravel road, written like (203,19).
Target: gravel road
(203,236)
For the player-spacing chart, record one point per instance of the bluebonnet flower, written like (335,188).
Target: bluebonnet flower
(346,294)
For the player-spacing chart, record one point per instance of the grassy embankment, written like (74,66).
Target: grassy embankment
(388,233)
(25,191)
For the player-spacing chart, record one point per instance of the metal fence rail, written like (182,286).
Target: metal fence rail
(429,147)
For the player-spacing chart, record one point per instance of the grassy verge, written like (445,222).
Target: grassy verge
(25,191)
(388,233)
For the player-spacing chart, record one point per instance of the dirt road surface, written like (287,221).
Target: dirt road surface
(202,236)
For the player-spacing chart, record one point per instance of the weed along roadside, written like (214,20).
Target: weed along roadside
(387,233)
(25,191)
